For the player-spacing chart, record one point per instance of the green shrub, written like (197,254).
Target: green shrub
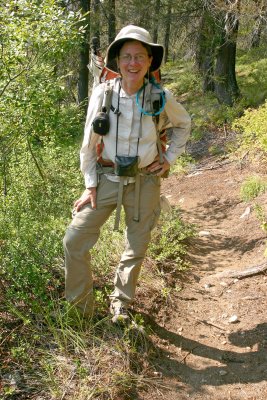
(252,187)
(252,75)
(169,240)
(260,214)
(183,164)
(252,126)
(262,218)
(33,217)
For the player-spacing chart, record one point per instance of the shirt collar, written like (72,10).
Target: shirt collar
(122,92)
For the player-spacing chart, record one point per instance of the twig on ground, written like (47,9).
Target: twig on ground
(188,353)
(212,324)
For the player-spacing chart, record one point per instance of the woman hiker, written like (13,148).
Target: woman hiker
(128,172)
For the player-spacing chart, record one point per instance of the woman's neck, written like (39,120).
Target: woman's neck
(131,88)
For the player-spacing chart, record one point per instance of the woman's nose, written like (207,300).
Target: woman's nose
(133,60)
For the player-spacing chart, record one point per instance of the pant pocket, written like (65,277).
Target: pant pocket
(155,218)
(153,179)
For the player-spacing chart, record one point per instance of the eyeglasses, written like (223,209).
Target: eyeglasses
(139,58)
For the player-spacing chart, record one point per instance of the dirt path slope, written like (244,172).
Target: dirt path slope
(212,335)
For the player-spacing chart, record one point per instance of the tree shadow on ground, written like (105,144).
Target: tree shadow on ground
(217,240)
(232,367)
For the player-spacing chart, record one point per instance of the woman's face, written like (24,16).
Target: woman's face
(134,62)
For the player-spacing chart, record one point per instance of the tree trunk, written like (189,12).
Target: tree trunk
(111,21)
(259,23)
(84,60)
(256,33)
(226,88)
(156,21)
(205,50)
(95,20)
(167,30)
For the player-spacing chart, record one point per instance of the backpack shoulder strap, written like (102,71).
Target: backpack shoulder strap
(108,90)
(157,95)
(157,104)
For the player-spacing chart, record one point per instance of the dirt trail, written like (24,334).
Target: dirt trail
(202,355)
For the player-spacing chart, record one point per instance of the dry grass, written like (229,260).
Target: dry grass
(67,358)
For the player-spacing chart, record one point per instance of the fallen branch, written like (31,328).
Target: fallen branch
(208,168)
(257,269)
(218,163)
(211,324)
(215,166)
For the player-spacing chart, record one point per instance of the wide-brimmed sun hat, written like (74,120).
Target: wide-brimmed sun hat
(132,32)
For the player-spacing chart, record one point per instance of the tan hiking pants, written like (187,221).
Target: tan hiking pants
(83,232)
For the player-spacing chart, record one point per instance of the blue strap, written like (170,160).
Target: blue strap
(163,100)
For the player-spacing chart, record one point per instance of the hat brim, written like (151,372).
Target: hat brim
(111,58)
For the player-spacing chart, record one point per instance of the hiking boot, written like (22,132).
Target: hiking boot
(119,312)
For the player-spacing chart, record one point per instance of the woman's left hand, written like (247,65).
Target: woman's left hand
(158,169)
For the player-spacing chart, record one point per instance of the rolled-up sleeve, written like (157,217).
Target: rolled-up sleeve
(176,117)
(88,150)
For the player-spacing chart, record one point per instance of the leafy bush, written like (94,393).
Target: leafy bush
(252,75)
(183,164)
(261,215)
(182,78)
(252,126)
(37,171)
(36,40)
(169,240)
(262,218)
(33,217)
(252,187)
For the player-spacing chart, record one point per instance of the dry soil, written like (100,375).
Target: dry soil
(211,336)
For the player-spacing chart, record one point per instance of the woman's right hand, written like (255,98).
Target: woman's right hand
(88,196)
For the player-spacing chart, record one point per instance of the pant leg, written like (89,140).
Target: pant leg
(138,235)
(80,237)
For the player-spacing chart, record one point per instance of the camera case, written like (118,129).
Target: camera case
(126,165)
(101,123)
